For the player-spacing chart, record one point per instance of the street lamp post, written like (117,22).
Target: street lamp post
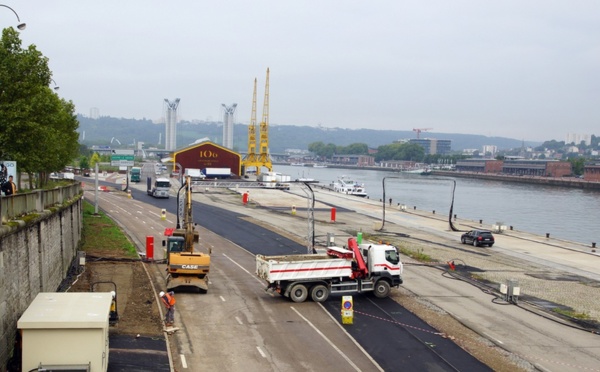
(20,26)
(383,217)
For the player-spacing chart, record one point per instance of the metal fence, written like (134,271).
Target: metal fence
(14,206)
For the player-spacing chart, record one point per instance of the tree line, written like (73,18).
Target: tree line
(400,151)
(38,129)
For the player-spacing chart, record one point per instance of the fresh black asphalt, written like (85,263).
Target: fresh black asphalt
(394,337)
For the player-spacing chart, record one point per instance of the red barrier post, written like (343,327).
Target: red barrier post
(150,248)
(332,214)
(245,198)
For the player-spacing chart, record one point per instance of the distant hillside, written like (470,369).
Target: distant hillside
(281,137)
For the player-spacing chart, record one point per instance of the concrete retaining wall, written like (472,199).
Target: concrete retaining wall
(34,258)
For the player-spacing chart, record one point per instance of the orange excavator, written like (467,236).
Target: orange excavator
(185,266)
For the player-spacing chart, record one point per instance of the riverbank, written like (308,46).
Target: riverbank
(570,182)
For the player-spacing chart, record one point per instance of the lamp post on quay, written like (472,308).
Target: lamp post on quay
(20,26)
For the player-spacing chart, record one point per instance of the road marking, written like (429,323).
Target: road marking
(326,339)
(239,320)
(222,298)
(261,352)
(247,272)
(183,362)
(352,338)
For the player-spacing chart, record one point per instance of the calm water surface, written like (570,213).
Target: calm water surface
(564,213)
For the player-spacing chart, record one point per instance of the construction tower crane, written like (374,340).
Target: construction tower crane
(262,158)
(419,130)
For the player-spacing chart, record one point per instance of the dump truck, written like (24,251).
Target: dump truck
(341,270)
(186,266)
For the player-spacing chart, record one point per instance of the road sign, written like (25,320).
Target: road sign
(122,152)
(121,160)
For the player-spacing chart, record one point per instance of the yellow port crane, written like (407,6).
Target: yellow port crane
(263,158)
(250,158)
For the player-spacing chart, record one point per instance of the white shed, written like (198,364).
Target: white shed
(66,330)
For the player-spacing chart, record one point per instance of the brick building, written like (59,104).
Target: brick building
(479,165)
(357,160)
(591,172)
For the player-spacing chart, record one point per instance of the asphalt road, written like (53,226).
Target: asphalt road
(539,342)
(238,326)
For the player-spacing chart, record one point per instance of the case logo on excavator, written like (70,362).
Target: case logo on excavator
(192,267)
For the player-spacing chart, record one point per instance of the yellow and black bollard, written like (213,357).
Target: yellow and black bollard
(347,310)
(163,214)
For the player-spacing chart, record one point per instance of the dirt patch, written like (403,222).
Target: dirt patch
(136,301)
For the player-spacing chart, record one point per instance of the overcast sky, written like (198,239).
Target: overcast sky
(519,69)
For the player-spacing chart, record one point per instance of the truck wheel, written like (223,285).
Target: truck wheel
(382,288)
(319,293)
(299,293)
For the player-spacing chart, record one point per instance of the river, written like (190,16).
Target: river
(564,213)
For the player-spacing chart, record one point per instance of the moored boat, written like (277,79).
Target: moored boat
(348,187)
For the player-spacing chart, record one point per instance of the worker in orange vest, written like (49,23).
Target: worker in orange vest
(169,300)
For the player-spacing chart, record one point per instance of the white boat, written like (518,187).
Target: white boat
(348,187)
(319,166)
(297,164)
(421,171)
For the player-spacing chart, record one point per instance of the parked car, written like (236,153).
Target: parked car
(478,238)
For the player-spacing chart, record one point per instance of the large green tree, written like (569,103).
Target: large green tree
(38,129)
(400,151)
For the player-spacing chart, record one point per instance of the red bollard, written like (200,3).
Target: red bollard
(332,214)
(149,248)
(245,198)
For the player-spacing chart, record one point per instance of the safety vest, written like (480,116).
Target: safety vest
(168,300)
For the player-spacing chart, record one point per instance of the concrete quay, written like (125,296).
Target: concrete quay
(552,274)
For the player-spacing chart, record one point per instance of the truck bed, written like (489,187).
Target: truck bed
(300,267)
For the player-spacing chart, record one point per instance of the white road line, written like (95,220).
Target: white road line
(239,320)
(352,338)
(183,361)
(222,298)
(247,272)
(326,339)
(261,352)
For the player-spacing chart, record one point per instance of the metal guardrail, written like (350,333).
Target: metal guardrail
(25,203)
